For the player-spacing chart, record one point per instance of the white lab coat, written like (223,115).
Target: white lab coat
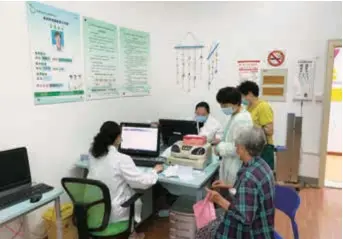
(121,175)
(231,163)
(211,128)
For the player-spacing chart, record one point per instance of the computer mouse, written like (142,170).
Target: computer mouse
(35,198)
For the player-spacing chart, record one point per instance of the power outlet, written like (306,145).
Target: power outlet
(318,98)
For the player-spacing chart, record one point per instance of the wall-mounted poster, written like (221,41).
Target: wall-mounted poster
(56,54)
(249,70)
(101,59)
(135,62)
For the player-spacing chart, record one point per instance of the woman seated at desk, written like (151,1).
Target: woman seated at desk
(118,172)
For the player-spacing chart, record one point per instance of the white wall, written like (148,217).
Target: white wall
(335,123)
(56,134)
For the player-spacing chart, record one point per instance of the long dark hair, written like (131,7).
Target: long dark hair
(109,131)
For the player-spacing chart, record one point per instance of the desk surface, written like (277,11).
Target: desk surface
(199,177)
(10,213)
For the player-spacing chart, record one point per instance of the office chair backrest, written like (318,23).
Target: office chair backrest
(92,204)
(287,200)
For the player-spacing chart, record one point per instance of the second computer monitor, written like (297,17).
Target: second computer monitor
(173,130)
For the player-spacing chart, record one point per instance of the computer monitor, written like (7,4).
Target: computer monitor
(173,130)
(140,139)
(14,169)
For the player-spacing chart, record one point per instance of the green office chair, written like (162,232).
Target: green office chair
(92,209)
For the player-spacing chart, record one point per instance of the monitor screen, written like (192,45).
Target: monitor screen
(136,138)
(173,130)
(14,169)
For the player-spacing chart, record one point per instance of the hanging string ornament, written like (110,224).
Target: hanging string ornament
(212,60)
(187,58)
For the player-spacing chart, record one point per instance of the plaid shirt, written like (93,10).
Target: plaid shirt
(251,212)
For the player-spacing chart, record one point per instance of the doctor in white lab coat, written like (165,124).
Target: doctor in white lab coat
(118,171)
(211,127)
(238,118)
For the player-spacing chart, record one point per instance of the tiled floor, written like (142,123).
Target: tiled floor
(333,171)
(319,217)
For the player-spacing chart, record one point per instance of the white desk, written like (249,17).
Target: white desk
(176,186)
(21,209)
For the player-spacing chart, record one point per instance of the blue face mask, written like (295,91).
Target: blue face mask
(245,102)
(227,111)
(200,118)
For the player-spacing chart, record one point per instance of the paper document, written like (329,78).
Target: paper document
(185,173)
(171,171)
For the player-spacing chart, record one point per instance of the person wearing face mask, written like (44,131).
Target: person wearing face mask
(118,172)
(262,116)
(230,99)
(210,126)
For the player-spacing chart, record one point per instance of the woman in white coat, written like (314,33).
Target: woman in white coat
(118,171)
(230,100)
(211,127)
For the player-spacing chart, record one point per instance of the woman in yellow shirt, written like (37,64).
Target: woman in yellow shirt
(262,116)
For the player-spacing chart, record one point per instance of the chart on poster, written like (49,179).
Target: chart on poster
(57,64)
(101,59)
(134,62)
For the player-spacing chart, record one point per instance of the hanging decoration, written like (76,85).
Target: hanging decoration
(189,61)
(212,60)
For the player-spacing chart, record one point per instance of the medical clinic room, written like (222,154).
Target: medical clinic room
(171,120)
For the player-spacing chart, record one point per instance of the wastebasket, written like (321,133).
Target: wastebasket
(182,220)
(69,230)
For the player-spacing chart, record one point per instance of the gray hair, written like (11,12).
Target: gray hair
(253,139)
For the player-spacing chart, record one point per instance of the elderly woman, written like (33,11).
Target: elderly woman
(249,210)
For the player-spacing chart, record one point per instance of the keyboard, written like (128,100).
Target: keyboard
(148,162)
(23,195)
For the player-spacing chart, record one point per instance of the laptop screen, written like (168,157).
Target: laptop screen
(14,169)
(139,139)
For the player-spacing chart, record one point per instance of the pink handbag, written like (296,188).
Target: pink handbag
(204,212)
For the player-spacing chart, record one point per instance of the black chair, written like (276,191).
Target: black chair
(92,209)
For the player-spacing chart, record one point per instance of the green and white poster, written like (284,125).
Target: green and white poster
(135,62)
(101,59)
(56,54)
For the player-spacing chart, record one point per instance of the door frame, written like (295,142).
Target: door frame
(326,109)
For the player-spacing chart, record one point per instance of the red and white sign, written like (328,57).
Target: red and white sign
(249,70)
(276,58)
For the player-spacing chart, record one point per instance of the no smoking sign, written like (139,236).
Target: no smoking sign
(276,58)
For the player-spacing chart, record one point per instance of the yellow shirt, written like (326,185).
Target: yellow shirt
(262,114)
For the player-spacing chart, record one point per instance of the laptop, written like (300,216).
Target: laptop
(142,143)
(15,178)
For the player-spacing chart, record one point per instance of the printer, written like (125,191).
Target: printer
(193,151)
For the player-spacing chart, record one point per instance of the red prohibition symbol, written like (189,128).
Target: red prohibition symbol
(276,58)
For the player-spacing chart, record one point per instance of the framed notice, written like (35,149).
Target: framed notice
(274,84)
